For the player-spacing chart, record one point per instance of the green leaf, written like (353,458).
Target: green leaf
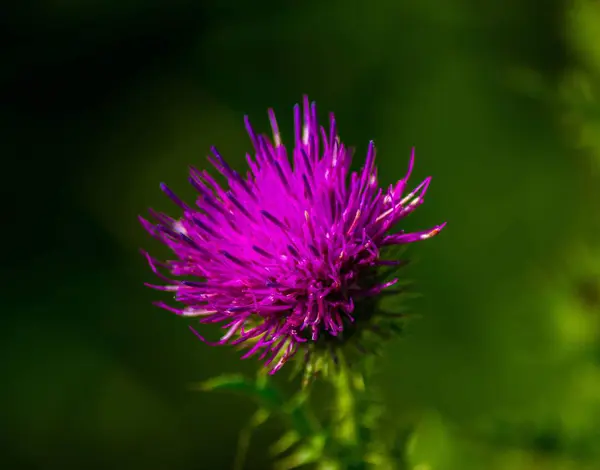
(261,390)
(234,382)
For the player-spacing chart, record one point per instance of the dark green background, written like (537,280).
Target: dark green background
(102,100)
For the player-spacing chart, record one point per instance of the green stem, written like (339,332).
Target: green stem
(348,386)
(345,430)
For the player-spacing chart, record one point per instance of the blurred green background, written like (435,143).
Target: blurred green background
(102,100)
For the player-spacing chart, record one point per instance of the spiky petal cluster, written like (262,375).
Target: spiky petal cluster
(280,256)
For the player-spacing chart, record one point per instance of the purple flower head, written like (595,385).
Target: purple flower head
(281,256)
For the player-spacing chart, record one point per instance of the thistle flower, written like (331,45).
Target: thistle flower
(281,257)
